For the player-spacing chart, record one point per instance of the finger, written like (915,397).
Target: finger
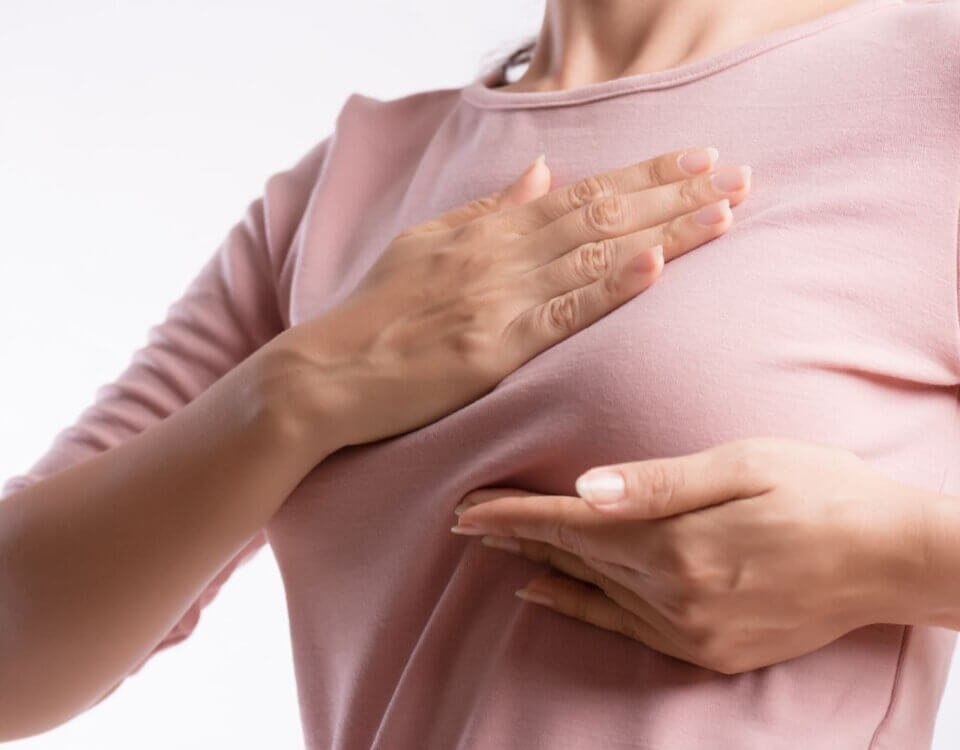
(533,182)
(567,523)
(662,487)
(661,170)
(634,212)
(589,604)
(619,215)
(618,583)
(538,327)
(485,495)
(582,286)
(612,260)
(547,554)
(616,580)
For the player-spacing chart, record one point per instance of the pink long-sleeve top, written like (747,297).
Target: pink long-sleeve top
(828,312)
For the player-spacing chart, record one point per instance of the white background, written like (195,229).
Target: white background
(132,137)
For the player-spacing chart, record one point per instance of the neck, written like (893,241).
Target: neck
(582,42)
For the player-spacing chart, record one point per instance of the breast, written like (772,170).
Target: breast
(760,332)
(804,320)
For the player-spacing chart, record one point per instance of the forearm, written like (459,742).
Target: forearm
(100,561)
(941,572)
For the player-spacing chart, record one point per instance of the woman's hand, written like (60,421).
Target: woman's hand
(455,304)
(733,558)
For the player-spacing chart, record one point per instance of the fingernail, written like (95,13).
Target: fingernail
(502,542)
(539,160)
(461,509)
(535,597)
(467,530)
(601,486)
(697,160)
(713,213)
(730,179)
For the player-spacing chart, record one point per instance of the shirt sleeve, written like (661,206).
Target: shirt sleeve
(229,310)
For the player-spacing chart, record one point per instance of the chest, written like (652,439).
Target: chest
(827,312)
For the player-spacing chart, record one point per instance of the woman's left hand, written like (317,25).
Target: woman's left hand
(733,558)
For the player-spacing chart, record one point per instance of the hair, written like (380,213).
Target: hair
(519,56)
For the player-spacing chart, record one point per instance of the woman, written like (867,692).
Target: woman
(801,322)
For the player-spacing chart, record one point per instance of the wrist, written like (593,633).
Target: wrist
(297,399)
(940,573)
(894,558)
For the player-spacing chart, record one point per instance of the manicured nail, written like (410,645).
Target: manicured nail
(601,487)
(461,509)
(730,179)
(535,597)
(502,542)
(713,213)
(467,530)
(697,160)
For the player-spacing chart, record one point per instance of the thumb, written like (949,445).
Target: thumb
(662,487)
(533,182)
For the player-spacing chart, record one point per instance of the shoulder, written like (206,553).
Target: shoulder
(926,30)
(402,122)
(944,15)
(908,54)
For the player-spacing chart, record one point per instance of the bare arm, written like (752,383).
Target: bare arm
(121,532)
(101,560)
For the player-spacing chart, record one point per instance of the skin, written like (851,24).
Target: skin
(586,42)
(100,560)
(691,562)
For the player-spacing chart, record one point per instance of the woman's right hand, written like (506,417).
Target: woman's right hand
(455,304)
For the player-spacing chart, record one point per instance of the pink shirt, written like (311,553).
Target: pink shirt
(828,312)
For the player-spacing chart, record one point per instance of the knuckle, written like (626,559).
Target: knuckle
(689,194)
(685,567)
(589,189)
(563,313)
(605,214)
(658,172)
(660,482)
(470,336)
(469,343)
(593,260)
(681,556)
(438,261)
(469,231)
(747,464)
(671,235)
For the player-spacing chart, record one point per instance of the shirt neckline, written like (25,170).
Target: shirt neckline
(479,93)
